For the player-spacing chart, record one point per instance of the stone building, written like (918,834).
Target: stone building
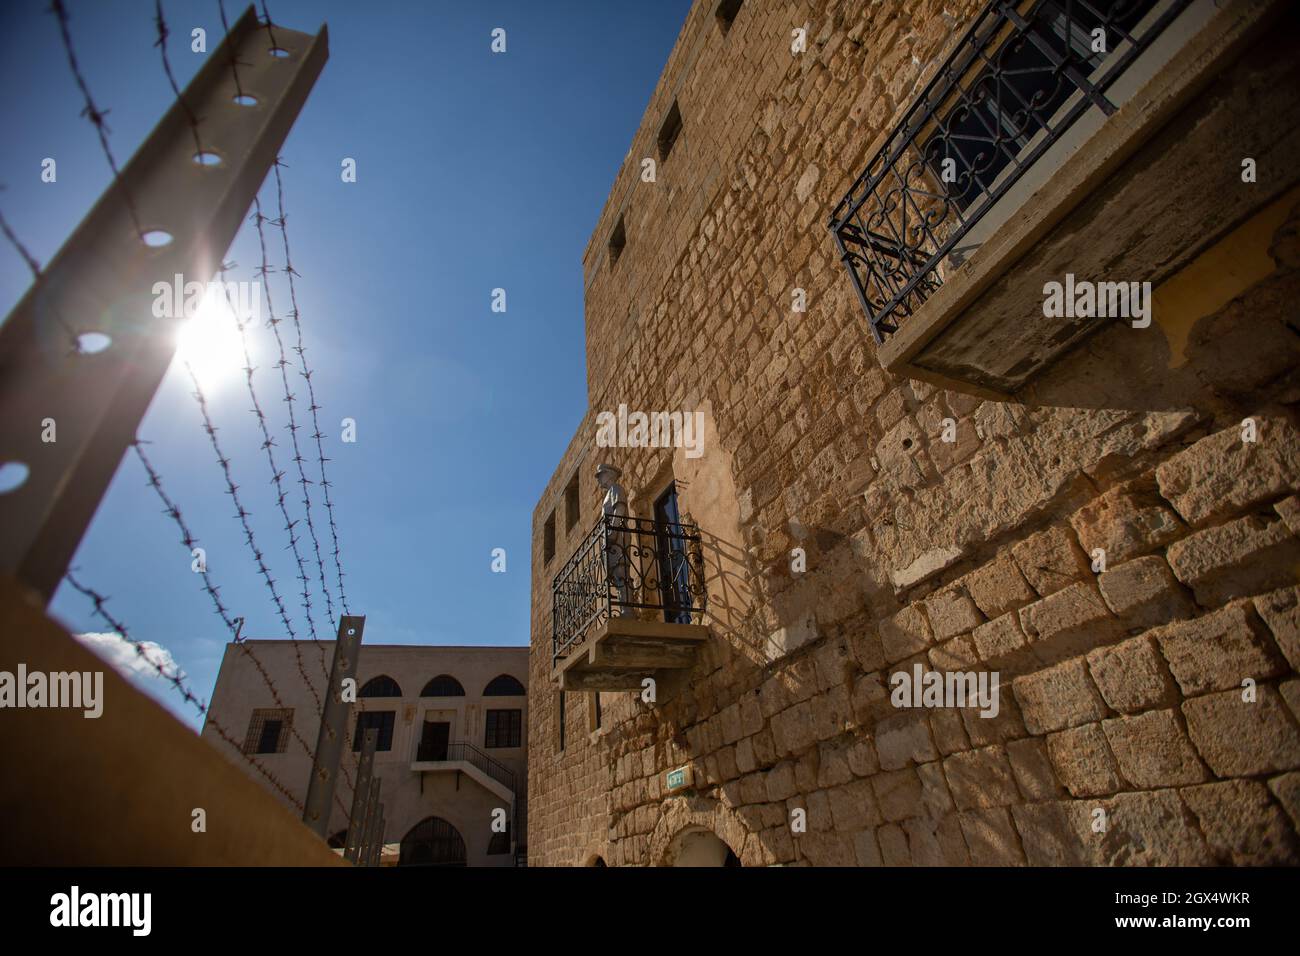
(893,257)
(451,749)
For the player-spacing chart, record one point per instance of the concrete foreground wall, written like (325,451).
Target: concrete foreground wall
(1147,712)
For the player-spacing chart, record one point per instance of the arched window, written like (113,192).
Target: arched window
(432,842)
(381,686)
(503,685)
(444,685)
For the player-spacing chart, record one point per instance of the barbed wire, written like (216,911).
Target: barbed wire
(313,407)
(243,515)
(306,372)
(161,43)
(268,443)
(28,258)
(273,323)
(176,679)
(92,112)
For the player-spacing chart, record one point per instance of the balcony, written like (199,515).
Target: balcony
(628,604)
(1060,135)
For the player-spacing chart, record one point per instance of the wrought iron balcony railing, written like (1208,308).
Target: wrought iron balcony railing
(460,750)
(1021,76)
(623,566)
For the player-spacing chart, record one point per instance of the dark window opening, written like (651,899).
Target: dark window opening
(674,567)
(270,740)
(499,842)
(726,13)
(504,729)
(382,722)
(669,132)
(572,504)
(503,685)
(434,739)
(617,240)
(561,720)
(444,685)
(596,716)
(381,686)
(548,539)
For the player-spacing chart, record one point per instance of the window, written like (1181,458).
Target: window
(561,720)
(379,720)
(617,240)
(504,728)
(548,539)
(268,731)
(444,685)
(381,686)
(595,712)
(726,13)
(669,132)
(503,685)
(572,504)
(499,842)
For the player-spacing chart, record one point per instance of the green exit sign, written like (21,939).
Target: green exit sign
(679,778)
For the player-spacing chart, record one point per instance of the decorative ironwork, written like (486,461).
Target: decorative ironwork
(622,567)
(1021,76)
(461,751)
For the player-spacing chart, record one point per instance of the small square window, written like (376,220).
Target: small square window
(572,504)
(617,240)
(268,731)
(726,13)
(669,132)
(548,539)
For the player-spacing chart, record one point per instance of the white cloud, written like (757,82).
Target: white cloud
(121,653)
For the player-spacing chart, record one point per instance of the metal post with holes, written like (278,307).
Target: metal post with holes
(103,279)
(377,842)
(333,725)
(360,796)
(368,820)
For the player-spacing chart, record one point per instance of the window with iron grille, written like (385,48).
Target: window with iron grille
(504,728)
(382,722)
(268,731)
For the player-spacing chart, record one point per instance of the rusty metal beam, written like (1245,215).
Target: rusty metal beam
(333,726)
(102,281)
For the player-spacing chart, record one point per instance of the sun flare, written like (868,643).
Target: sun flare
(210,342)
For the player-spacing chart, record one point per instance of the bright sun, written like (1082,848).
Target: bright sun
(210,342)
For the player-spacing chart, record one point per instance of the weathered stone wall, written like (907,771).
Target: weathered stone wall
(1121,690)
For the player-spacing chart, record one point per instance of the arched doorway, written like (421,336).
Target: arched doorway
(697,846)
(432,842)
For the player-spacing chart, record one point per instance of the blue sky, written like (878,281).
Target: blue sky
(474,171)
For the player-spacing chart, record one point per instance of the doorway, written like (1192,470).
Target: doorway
(434,739)
(674,572)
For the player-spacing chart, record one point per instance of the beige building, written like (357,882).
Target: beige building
(451,727)
(987,314)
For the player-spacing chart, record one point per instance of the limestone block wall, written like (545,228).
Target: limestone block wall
(1148,710)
